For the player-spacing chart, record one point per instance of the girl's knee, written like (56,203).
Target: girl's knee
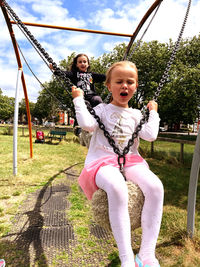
(118,189)
(118,193)
(156,189)
(111,181)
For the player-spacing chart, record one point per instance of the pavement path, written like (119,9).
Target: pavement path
(43,236)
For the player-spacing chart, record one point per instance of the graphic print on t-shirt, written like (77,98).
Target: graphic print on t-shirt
(118,134)
(84,81)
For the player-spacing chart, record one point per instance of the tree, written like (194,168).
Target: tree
(151,59)
(54,96)
(23,111)
(179,101)
(6,107)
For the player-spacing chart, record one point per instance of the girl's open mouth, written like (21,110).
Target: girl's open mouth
(123,94)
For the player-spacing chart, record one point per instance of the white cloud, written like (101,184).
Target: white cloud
(166,24)
(108,20)
(56,15)
(108,46)
(9,79)
(168,21)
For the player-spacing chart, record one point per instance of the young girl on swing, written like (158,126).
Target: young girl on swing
(102,170)
(84,79)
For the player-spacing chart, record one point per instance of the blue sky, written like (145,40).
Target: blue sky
(120,16)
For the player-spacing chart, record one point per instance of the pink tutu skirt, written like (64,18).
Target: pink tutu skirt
(87,177)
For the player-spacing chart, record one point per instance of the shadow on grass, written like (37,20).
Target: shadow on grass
(176,239)
(51,143)
(16,253)
(114,260)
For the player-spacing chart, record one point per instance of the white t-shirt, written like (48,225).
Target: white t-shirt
(119,122)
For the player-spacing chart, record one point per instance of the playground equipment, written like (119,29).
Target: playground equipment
(192,192)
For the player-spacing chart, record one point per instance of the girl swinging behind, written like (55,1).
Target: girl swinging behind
(102,170)
(81,76)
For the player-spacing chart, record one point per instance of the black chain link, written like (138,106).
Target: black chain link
(62,74)
(165,76)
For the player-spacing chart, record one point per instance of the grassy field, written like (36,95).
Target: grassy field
(49,161)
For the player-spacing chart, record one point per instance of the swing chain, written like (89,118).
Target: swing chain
(165,75)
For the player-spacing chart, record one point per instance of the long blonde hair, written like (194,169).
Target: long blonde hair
(117,64)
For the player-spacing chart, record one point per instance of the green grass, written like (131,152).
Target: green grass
(47,166)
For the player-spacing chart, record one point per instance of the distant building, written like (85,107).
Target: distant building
(63,117)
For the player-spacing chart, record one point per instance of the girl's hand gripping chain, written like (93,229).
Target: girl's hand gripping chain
(77,92)
(152,105)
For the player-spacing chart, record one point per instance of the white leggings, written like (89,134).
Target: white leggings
(112,182)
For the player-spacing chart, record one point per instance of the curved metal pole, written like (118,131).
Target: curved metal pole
(22,76)
(194,175)
(73,29)
(148,13)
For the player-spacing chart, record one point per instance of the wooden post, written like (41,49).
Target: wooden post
(181,152)
(152,148)
(22,131)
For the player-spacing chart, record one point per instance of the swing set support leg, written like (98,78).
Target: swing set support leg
(194,175)
(15,46)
